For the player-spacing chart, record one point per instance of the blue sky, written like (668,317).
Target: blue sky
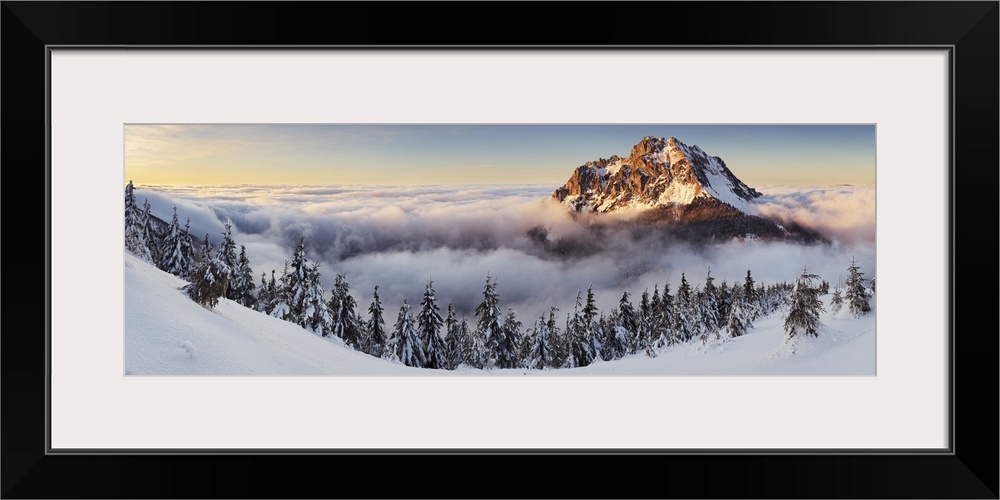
(478,154)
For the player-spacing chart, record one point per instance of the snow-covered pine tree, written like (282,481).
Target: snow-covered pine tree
(804,307)
(750,299)
(684,317)
(614,336)
(295,284)
(315,315)
(667,335)
(454,343)
(281,307)
(343,309)
(409,349)
(739,316)
(628,320)
(377,340)
(855,294)
(643,334)
(429,324)
(571,337)
(268,295)
(176,254)
(488,323)
(473,354)
(592,337)
(725,301)
(837,301)
(540,355)
(149,234)
(227,254)
(391,350)
(510,341)
(206,251)
(708,309)
(135,240)
(524,346)
(208,282)
(243,286)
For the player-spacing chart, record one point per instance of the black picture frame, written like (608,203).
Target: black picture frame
(970,29)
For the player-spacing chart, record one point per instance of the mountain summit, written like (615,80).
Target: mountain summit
(658,172)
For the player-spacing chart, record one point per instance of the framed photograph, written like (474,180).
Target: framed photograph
(354,248)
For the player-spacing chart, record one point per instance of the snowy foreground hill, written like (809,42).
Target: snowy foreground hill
(166,333)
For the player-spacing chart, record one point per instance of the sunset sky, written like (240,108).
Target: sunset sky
(477,154)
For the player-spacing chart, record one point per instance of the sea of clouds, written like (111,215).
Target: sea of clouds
(400,237)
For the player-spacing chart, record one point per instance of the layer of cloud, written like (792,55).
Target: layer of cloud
(401,237)
(844,213)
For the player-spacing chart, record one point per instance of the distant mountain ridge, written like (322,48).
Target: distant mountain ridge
(658,172)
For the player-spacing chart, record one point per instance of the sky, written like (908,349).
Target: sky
(303,154)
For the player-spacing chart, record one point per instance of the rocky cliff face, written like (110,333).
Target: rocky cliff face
(658,172)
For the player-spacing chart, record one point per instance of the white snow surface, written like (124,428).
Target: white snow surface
(719,186)
(166,333)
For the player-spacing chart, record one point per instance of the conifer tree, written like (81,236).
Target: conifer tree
(540,355)
(409,349)
(135,240)
(227,254)
(488,328)
(315,314)
(295,284)
(377,339)
(242,286)
(628,320)
(510,341)
(615,337)
(429,324)
(837,301)
(667,335)
(684,316)
(177,254)
(591,335)
(750,299)
(281,305)
(267,294)
(739,317)
(206,251)
(208,282)
(149,234)
(454,342)
(708,309)
(657,327)
(343,310)
(572,356)
(473,354)
(644,334)
(804,307)
(855,294)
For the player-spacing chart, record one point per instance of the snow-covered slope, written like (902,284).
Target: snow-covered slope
(162,325)
(166,333)
(657,172)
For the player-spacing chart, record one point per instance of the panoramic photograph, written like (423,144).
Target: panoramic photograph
(499,250)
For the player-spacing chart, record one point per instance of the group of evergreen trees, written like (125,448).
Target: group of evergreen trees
(213,275)
(804,304)
(498,339)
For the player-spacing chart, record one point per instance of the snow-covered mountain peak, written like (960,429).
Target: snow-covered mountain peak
(657,172)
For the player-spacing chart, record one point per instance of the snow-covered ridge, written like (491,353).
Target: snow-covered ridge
(657,172)
(166,333)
